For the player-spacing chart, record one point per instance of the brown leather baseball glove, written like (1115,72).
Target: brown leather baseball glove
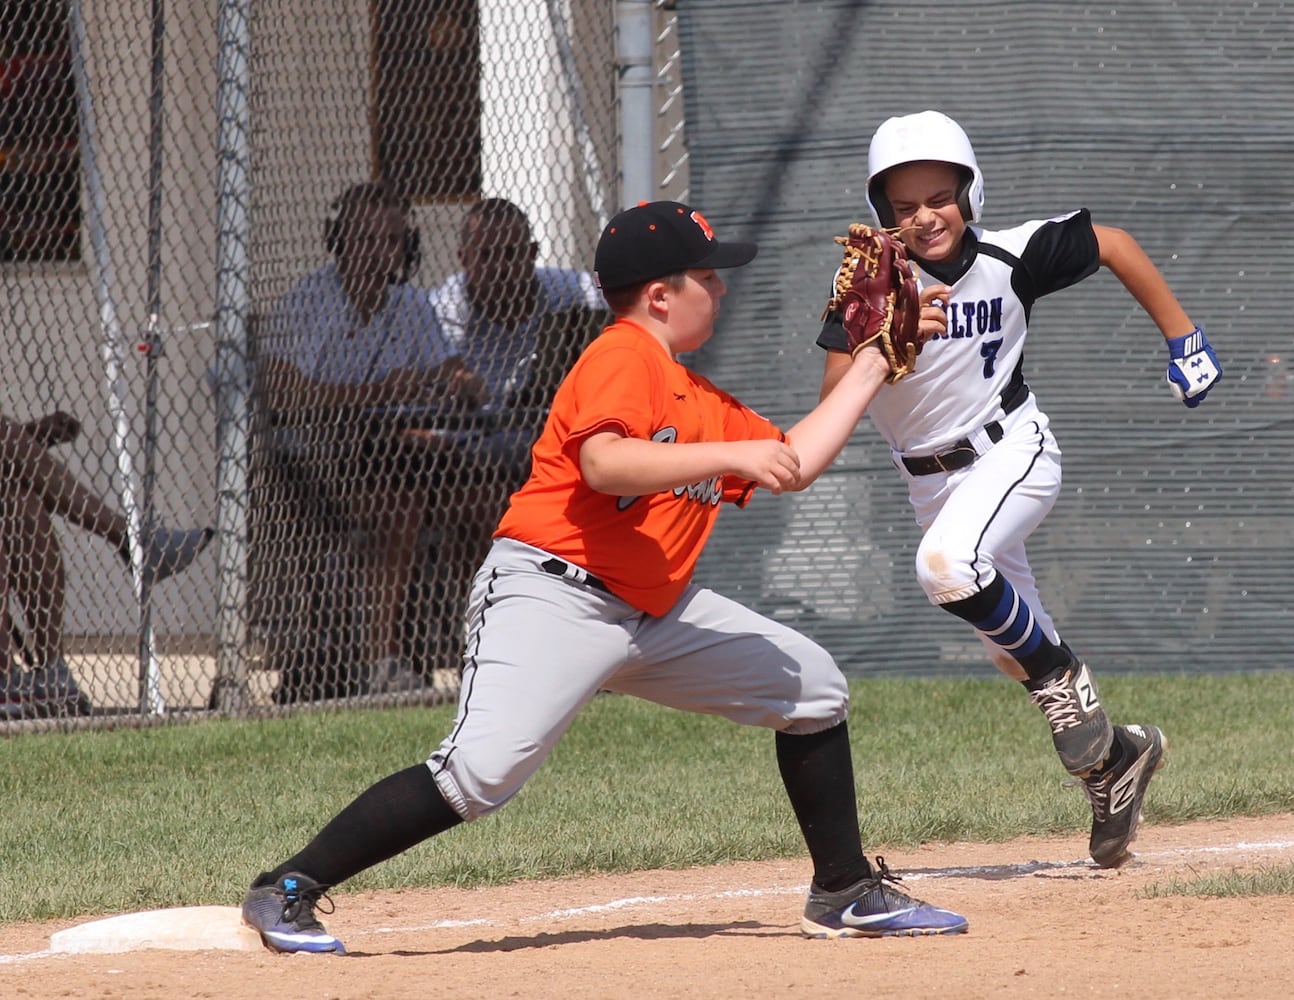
(877,298)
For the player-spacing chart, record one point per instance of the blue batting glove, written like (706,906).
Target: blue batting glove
(1192,367)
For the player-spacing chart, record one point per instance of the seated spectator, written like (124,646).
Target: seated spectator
(34,488)
(520,327)
(499,307)
(346,342)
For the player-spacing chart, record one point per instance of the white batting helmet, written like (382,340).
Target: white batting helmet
(926,135)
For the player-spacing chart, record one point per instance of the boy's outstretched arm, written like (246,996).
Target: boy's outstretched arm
(624,466)
(1193,368)
(824,430)
(1129,263)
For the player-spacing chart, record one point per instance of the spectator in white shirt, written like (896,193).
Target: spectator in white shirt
(348,340)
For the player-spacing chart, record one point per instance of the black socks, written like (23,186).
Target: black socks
(392,816)
(818,773)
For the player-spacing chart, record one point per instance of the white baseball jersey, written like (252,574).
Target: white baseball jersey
(960,377)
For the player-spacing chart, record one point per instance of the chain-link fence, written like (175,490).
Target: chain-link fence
(286,287)
(105,264)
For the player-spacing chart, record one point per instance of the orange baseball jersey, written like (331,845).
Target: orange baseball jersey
(643,548)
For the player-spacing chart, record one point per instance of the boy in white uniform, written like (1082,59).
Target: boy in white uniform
(982,467)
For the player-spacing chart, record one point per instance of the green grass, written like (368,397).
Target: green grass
(101,822)
(1275,880)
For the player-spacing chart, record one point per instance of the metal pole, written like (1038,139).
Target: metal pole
(151,345)
(634,69)
(233,374)
(113,352)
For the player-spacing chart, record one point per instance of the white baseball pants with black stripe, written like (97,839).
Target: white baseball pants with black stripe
(976,520)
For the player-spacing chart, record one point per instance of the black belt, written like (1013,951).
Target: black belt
(963,453)
(556,567)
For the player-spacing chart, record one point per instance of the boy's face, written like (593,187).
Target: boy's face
(924,198)
(694,307)
(373,243)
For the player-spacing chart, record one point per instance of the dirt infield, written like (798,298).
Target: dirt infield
(1044,923)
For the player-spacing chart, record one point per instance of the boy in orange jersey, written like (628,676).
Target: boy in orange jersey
(587,588)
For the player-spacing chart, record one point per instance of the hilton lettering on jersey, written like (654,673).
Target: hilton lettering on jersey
(973,319)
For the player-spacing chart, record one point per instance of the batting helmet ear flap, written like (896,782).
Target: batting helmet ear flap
(882,210)
(970,196)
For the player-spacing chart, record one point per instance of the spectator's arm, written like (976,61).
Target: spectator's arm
(289,390)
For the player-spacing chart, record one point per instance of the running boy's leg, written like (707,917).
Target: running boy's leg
(971,559)
(972,562)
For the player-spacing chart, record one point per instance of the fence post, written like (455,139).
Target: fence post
(634,69)
(233,376)
(150,700)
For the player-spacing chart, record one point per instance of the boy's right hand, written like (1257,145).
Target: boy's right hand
(768,463)
(934,312)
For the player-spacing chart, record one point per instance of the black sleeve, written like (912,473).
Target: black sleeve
(1061,253)
(832,337)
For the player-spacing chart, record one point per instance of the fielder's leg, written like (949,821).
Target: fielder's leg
(713,655)
(848,896)
(388,818)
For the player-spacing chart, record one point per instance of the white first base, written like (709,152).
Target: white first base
(188,928)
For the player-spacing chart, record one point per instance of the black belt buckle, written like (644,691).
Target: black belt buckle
(957,457)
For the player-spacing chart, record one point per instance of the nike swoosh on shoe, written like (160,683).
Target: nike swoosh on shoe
(848,918)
